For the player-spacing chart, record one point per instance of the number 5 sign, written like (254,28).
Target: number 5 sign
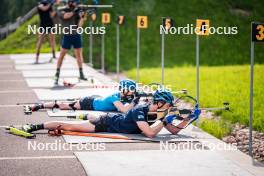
(258,32)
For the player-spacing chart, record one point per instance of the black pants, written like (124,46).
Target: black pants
(100,123)
(86,103)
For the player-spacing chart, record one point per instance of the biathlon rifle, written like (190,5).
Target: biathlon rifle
(89,9)
(192,114)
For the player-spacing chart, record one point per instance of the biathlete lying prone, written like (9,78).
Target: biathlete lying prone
(120,101)
(133,122)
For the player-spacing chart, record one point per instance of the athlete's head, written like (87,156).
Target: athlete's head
(127,88)
(45,2)
(73,3)
(162,99)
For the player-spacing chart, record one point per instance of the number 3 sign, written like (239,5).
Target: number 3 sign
(258,32)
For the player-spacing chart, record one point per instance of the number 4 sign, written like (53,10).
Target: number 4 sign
(202,27)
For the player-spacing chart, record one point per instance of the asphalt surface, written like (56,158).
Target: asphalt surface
(16,157)
(19,157)
(14,149)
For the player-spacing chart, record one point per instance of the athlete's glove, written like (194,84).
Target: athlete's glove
(197,112)
(136,100)
(81,14)
(168,119)
(77,10)
(127,98)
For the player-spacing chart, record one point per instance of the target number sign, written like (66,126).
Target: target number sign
(202,27)
(106,18)
(258,32)
(142,22)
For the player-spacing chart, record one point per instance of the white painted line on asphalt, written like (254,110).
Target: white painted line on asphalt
(13,80)
(10,73)
(15,91)
(5,126)
(6,61)
(9,106)
(7,66)
(38,157)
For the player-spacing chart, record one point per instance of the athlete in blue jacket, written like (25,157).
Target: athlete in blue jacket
(115,102)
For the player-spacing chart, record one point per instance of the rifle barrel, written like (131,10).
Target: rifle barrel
(214,109)
(97,6)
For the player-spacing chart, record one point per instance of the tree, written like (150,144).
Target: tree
(12,9)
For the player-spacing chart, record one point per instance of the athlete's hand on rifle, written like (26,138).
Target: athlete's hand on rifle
(168,119)
(136,100)
(79,11)
(197,112)
(81,14)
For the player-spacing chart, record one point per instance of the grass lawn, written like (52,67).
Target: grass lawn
(217,84)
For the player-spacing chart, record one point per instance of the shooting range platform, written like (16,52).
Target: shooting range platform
(158,162)
(26,82)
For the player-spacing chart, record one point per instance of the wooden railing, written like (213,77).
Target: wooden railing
(11,27)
